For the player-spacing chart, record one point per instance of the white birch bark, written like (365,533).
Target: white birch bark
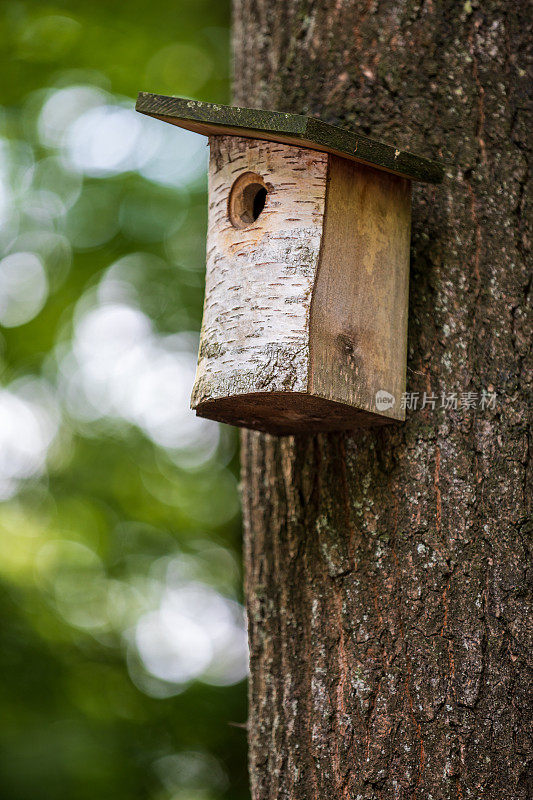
(259,280)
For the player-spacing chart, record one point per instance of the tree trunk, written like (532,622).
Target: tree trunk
(387,569)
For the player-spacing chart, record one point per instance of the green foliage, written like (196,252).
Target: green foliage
(122,651)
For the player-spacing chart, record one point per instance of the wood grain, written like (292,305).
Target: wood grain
(358,331)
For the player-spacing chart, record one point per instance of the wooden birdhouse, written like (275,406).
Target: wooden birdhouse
(305,313)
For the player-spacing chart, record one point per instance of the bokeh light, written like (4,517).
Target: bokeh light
(123,649)
(23,288)
(28,424)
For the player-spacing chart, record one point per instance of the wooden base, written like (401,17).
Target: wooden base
(286,413)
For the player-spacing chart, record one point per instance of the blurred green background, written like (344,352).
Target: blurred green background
(122,645)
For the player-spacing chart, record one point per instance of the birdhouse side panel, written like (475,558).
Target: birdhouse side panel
(359,309)
(260,276)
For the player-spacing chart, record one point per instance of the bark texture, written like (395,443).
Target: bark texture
(387,570)
(255,328)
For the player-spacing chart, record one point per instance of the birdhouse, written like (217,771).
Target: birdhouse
(305,312)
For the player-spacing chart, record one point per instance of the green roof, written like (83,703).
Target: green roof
(296,129)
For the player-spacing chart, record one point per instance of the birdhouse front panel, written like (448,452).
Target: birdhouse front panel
(266,214)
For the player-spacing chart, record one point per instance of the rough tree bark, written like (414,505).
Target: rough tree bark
(387,569)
